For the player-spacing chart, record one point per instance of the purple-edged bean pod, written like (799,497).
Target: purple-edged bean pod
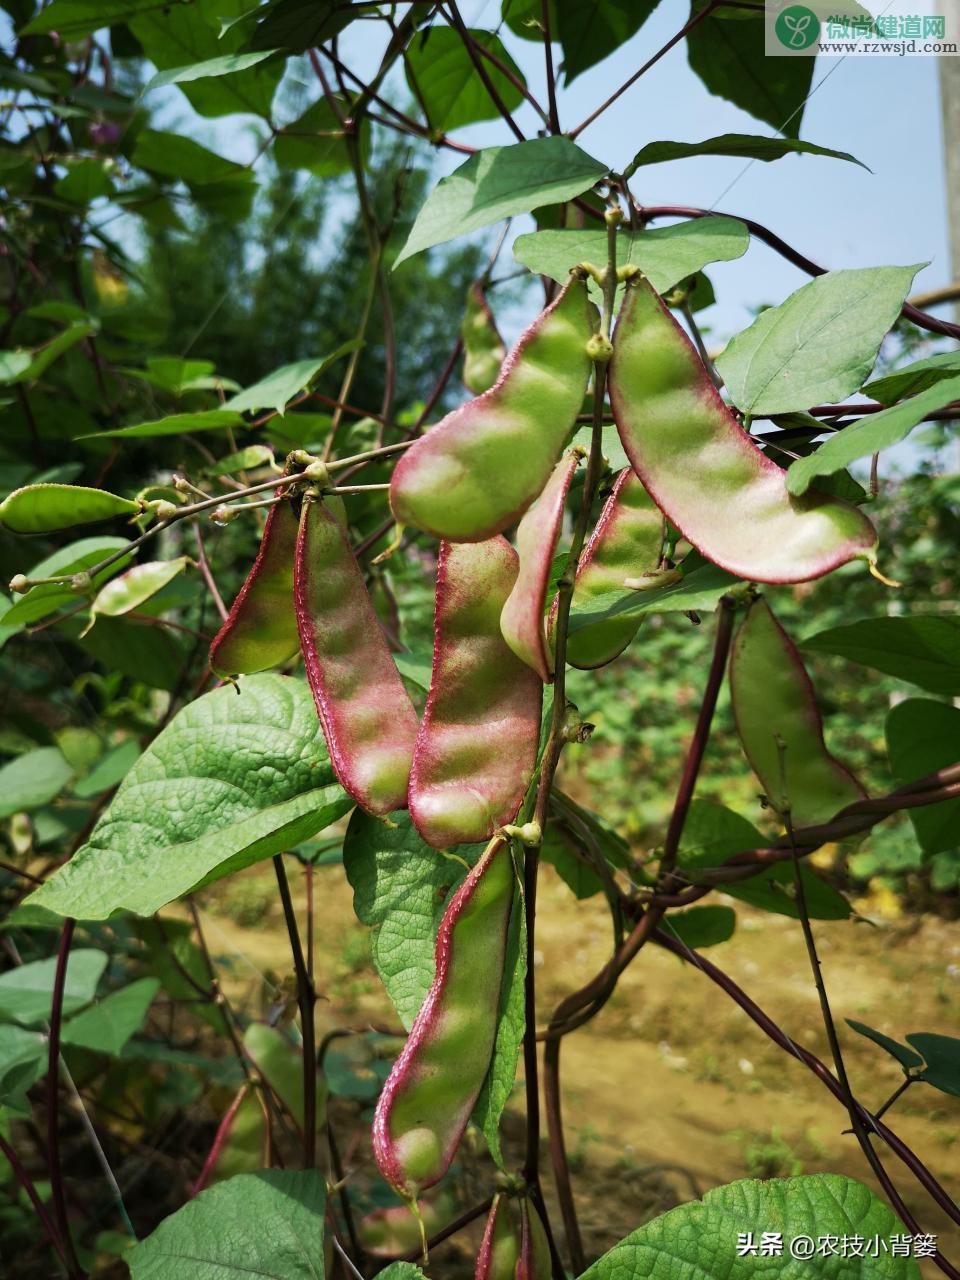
(476,747)
(534,1262)
(366,714)
(433,1087)
(500,1246)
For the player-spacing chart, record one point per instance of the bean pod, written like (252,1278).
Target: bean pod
(434,1084)
(478,470)
(366,714)
(483,349)
(702,469)
(627,542)
(500,1246)
(780,726)
(261,631)
(477,744)
(522,621)
(534,1262)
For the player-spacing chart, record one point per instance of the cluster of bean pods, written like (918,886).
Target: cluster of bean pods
(498,461)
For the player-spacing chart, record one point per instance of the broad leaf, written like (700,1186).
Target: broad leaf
(730,59)
(32,780)
(942,1057)
(27,990)
(666,255)
(914,378)
(153,656)
(106,1027)
(700,588)
(232,779)
(401,1271)
(209,69)
(702,926)
(23,1058)
(109,770)
(400,889)
(499,182)
(177,424)
(268,1224)
(439,66)
(273,391)
(906,1057)
(746,146)
(44,508)
(174,156)
(73,18)
(698,1241)
(820,344)
(924,650)
(589,32)
(923,736)
(873,433)
(299,25)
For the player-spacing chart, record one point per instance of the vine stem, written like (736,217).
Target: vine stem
(58,1195)
(554,121)
(306,998)
(21,1175)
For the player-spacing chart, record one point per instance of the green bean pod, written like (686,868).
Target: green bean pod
(522,621)
(483,349)
(627,542)
(534,1262)
(395,1230)
(478,470)
(779,724)
(703,470)
(261,630)
(239,1145)
(433,1087)
(476,746)
(500,1246)
(366,714)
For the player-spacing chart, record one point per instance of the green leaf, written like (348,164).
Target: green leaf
(182,35)
(439,64)
(922,649)
(273,391)
(401,1271)
(106,1027)
(85,181)
(109,770)
(12,366)
(906,1057)
(42,508)
(175,425)
(923,736)
(23,1058)
(280,1063)
(820,344)
(745,145)
(502,1075)
(299,25)
(174,156)
(268,1224)
(730,59)
(32,780)
(26,991)
(666,255)
(134,587)
(248,459)
(914,378)
(700,588)
(150,655)
(702,926)
(873,433)
(306,144)
(499,182)
(400,889)
(942,1056)
(698,1241)
(589,32)
(46,598)
(232,779)
(713,833)
(73,18)
(208,69)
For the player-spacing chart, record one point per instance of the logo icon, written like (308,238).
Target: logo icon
(797,27)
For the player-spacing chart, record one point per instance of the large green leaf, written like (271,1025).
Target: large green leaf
(273,391)
(27,990)
(106,1027)
(729,58)
(914,378)
(174,156)
(665,254)
(817,346)
(942,1057)
(232,779)
(299,25)
(44,508)
(698,1241)
(499,182)
(702,927)
(267,1224)
(906,1057)
(589,31)
(152,656)
(181,35)
(873,433)
(745,145)
(209,69)
(177,424)
(400,889)
(73,18)
(923,649)
(923,736)
(439,65)
(32,780)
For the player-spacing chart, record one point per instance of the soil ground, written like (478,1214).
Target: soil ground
(671,1089)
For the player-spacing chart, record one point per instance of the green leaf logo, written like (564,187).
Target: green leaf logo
(797,27)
